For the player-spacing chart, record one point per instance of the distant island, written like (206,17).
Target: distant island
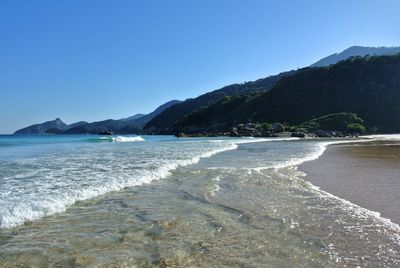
(356,91)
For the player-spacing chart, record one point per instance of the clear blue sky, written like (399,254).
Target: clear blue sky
(93,60)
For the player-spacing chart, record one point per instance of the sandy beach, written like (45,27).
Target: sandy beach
(366,174)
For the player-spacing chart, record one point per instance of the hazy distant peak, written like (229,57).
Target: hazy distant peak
(133,117)
(43,127)
(356,51)
(164,106)
(125,125)
(76,124)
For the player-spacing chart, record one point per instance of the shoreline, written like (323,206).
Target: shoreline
(365,174)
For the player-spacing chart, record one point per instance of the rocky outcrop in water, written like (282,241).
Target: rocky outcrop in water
(105,132)
(277,127)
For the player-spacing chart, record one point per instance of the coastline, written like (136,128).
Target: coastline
(366,174)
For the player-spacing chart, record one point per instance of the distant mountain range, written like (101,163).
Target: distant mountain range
(356,51)
(164,122)
(133,117)
(55,125)
(130,125)
(171,114)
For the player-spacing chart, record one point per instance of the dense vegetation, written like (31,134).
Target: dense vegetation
(343,122)
(368,87)
(115,126)
(171,115)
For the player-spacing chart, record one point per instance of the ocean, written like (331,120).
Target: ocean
(142,201)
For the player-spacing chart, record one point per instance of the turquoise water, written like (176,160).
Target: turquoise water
(43,175)
(92,201)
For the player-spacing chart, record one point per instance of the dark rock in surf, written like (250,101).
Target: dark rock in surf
(277,127)
(106,132)
(323,134)
(298,135)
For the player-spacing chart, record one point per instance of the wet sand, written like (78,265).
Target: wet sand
(366,174)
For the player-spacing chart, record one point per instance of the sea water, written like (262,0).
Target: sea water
(43,175)
(122,201)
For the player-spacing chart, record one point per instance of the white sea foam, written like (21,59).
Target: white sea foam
(216,187)
(359,211)
(50,183)
(55,183)
(127,139)
(315,150)
(317,153)
(56,194)
(255,140)
(389,137)
(118,139)
(324,145)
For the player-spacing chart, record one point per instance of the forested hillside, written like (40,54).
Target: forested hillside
(368,87)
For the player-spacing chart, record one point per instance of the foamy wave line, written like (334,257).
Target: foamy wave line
(127,139)
(359,211)
(313,156)
(255,140)
(252,140)
(216,187)
(384,137)
(121,139)
(323,146)
(35,209)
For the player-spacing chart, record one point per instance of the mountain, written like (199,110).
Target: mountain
(130,125)
(100,126)
(168,117)
(148,117)
(356,51)
(80,123)
(56,126)
(366,86)
(133,117)
(165,121)
(43,127)
(164,117)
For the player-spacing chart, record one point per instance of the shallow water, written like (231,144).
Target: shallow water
(43,175)
(248,207)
